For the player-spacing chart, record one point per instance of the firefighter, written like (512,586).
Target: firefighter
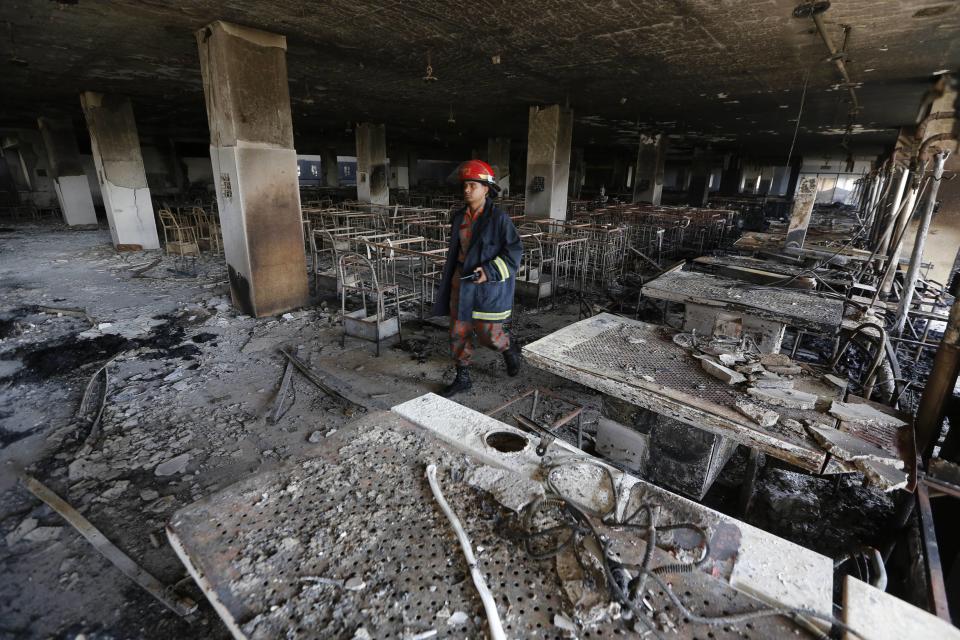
(479,277)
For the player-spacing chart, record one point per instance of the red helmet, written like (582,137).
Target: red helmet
(478,171)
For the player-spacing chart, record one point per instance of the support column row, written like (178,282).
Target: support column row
(119,162)
(550,131)
(69,178)
(255,166)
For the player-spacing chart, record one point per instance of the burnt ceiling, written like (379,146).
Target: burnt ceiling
(724,73)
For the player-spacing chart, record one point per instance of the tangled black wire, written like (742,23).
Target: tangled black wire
(626,582)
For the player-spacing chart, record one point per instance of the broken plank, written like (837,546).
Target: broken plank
(319,382)
(139,271)
(179,605)
(66,311)
(275,415)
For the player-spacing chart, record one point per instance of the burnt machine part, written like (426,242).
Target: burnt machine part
(547,436)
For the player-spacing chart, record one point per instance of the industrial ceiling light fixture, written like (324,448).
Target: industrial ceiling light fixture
(429,77)
(450,118)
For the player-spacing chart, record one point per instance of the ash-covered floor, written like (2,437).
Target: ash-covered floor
(190,389)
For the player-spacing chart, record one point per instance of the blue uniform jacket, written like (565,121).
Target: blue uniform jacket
(495,245)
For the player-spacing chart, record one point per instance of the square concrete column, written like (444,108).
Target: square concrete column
(123,181)
(803,202)
(372,178)
(254,166)
(412,161)
(549,134)
(651,158)
(69,178)
(399,169)
(498,156)
(30,159)
(698,189)
(331,169)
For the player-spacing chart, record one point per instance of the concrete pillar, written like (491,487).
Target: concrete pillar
(412,175)
(781,181)
(399,170)
(698,187)
(795,166)
(803,201)
(578,173)
(331,170)
(69,178)
(255,166)
(498,156)
(730,176)
(549,133)
(372,179)
(651,157)
(31,163)
(119,162)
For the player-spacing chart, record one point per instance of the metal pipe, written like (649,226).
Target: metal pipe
(939,386)
(837,59)
(894,211)
(881,341)
(913,271)
(893,261)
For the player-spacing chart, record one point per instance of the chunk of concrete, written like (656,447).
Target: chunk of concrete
(792,370)
(786,398)
(510,489)
(837,381)
(863,413)
(751,369)
(26,526)
(721,372)
(776,360)
(882,476)
(768,380)
(173,466)
(43,534)
(760,415)
(849,447)
(877,615)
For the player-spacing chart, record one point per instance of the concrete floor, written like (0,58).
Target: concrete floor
(194,381)
(193,378)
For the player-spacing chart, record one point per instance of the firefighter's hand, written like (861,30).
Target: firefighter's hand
(481,277)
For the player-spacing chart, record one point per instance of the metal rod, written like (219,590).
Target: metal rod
(938,592)
(893,263)
(894,213)
(837,58)
(913,271)
(939,385)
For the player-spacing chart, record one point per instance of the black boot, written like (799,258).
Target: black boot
(511,357)
(460,384)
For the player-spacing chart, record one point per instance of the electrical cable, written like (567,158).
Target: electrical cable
(580,525)
(489,606)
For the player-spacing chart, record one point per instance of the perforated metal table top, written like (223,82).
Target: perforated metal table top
(353,539)
(795,307)
(639,363)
